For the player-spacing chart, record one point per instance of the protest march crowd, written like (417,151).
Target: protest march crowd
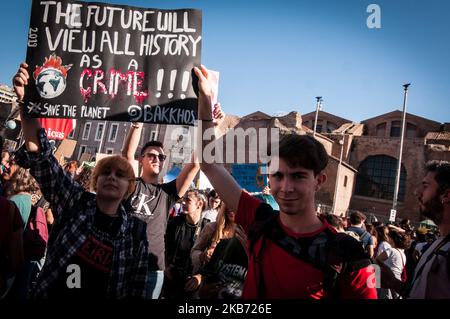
(102,232)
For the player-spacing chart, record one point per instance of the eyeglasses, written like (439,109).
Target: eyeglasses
(152,156)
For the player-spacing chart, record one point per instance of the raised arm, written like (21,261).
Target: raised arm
(191,169)
(30,126)
(58,187)
(186,176)
(221,180)
(132,142)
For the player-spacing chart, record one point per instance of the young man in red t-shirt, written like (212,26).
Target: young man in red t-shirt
(275,270)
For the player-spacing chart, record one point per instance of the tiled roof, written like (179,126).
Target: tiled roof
(439,136)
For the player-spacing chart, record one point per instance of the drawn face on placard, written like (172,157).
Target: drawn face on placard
(51,77)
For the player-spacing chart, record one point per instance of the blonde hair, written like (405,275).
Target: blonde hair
(223,225)
(118,162)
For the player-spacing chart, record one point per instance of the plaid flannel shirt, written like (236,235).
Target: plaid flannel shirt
(74,218)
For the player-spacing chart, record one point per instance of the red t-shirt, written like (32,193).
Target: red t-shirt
(287,277)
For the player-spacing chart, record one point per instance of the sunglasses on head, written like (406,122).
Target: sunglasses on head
(152,156)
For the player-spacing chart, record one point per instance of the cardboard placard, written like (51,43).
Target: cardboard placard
(85,157)
(99,61)
(66,148)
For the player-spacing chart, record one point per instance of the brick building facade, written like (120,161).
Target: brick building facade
(373,151)
(368,153)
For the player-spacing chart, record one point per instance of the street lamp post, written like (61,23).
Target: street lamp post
(338,174)
(318,104)
(397,178)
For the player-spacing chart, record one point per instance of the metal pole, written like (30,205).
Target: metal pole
(157,132)
(101,139)
(319,99)
(338,174)
(397,179)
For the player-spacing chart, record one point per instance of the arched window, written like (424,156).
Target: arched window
(396,128)
(411,130)
(318,126)
(381,129)
(376,178)
(331,127)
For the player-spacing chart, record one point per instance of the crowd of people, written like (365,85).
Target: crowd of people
(106,231)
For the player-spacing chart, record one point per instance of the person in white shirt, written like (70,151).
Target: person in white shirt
(383,240)
(210,215)
(394,257)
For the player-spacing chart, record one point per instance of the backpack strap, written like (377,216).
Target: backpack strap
(257,260)
(447,256)
(265,218)
(332,253)
(331,264)
(363,236)
(435,251)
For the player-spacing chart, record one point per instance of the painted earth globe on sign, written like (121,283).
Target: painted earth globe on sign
(50,83)
(51,77)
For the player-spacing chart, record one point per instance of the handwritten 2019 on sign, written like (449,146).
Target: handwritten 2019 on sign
(101,61)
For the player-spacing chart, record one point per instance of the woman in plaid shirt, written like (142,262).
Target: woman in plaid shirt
(96,249)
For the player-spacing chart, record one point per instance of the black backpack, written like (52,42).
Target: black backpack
(332,253)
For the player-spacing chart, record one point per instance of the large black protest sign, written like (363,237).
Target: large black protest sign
(121,63)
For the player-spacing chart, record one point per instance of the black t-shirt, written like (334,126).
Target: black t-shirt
(94,259)
(151,203)
(224,275)
(180,238)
